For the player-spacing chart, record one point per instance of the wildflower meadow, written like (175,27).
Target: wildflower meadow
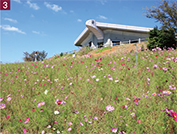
(86,94)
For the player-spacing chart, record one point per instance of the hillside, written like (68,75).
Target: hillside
(101,93)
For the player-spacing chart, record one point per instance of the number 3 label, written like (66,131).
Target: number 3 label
(5,4)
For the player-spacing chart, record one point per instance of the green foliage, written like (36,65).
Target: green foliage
(161,38)
(31,57)
(103,49)
(142,47)
(85,50)
(88,85)
(61,54)
(165,13)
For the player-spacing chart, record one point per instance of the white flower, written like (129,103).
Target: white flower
(56,112)
(45,92)
(97,79)
(58,132)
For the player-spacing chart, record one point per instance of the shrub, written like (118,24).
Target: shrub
(161,38)
(142,47)
(61,54)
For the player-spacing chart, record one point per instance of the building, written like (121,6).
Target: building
(97,34)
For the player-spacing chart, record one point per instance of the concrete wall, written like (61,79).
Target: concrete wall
(113,35)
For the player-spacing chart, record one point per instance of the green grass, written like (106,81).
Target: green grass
(103,49)
(88,85)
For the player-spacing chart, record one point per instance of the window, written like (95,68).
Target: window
(116,43)
(100,44)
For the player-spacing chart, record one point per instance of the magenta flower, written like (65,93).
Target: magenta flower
(24,130)
(169,112)
(136,101)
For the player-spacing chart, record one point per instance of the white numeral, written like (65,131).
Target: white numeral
(5,5)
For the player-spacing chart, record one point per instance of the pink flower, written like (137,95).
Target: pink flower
(154,94)
(81,124)
(70,123)
(165,69)
(69,129)
(109,108)
(139,121)
(24,130)
(172,87)
(27,120)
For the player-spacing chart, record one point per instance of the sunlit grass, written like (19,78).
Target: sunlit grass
(72,95)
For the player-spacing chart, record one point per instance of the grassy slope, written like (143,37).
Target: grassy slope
(72,80)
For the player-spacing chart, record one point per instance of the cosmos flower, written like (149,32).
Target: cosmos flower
(9,98)
(56,112)
(139,121)
(96,118)
(109,108)
(46,91)
(69,129)
(2,106)
(70,123)
(165,69)
(166,92)
(133,114)
(154,94)
(155,66)
(81,124)
(114,130)
(24,130)
(1,98)
(172,87)
(27,120)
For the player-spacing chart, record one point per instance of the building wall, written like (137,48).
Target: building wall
(114,35)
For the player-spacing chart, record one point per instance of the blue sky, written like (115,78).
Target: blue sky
(54,25)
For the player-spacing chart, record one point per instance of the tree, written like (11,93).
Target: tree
(161,38)
(31,57)
(166,14)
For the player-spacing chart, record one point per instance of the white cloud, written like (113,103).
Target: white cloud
(33,5)
(9,28)
(11,20)
(54,7)
(71,11)
(102,17)
(36,32)
(18,1)
(79,20)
